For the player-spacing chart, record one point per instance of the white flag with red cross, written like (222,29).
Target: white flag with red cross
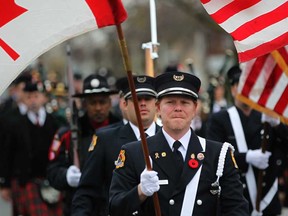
(30,28)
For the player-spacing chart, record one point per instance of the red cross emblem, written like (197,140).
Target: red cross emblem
(8,12)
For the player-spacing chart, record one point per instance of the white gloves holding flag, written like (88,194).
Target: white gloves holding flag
(257,158)
(256,213)
(272,121)
(73,176)
(149,182)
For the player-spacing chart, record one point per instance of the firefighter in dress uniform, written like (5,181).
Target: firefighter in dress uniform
(61,171)
(241,126)
(192,176)
(92,193)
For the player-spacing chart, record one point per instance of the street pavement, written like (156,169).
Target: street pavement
(5,209)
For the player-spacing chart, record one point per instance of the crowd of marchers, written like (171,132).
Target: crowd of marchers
(81,154)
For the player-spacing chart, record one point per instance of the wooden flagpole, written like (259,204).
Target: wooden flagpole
(128,69)
(73,110)
(264,143)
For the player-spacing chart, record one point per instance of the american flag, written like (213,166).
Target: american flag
(264,83)
(257,26)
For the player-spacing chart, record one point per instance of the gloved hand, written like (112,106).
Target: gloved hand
(73,176)
(272,121)
(257,158)
(256,213)
(149,182)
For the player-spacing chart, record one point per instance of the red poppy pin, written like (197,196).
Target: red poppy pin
(193,163)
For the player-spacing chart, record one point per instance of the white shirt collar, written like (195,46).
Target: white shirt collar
(41,116)
(22,108)
(150,131)
(184,140)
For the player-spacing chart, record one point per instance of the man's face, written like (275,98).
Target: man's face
(34,100)
(147,108)
(176,112)
(98,107)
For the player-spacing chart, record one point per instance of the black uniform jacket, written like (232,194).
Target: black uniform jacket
(92,192)
(124,198)
(57,168)
(25,150)
(219,128)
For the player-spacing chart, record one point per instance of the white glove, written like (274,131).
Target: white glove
(73,176)
(258,159)
(272,121)
(256,213)
(149,182)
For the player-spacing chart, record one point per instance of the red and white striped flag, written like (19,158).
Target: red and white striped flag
(257,26)
(264,83)
(30,28)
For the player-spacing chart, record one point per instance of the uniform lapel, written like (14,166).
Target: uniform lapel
(194,148)
(127,134)
(162,156)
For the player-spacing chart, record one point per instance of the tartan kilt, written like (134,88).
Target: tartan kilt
(27,201)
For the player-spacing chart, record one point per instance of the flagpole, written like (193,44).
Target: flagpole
(73,118)
(151,48)
(128,69)
(265,138)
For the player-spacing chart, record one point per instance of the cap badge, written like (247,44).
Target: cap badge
(95,83)
(141,79)
(178,78)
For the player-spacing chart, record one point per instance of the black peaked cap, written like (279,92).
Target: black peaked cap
(177,83)
(144,85)
(95,84)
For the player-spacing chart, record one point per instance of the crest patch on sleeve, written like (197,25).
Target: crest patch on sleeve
(120,160)
(93,143)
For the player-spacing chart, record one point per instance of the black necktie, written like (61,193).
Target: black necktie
(178,155)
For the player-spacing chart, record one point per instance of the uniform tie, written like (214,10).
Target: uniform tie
(37,123)
(178,155)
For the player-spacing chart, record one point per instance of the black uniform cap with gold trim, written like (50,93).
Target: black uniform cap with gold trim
(95,84)
(177,83)
(144,86)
